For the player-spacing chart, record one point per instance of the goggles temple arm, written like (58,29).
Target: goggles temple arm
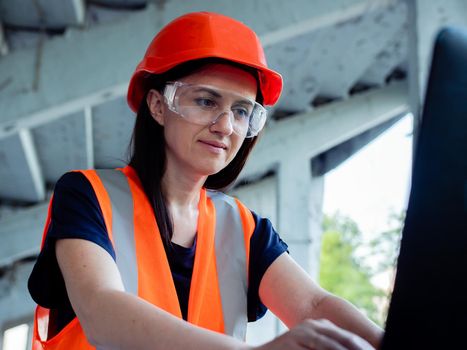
(169,92)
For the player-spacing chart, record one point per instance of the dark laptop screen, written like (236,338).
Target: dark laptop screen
(428,308)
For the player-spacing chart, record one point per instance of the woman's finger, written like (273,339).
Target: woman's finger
(345,338)
(319,341)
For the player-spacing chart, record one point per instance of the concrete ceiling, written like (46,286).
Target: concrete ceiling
(64,75)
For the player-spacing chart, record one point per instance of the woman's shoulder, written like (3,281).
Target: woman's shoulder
(72,180)
(73,194)
(76,212)
(75,185)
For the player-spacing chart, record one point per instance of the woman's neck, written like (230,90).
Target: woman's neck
(182,194)
(181,191)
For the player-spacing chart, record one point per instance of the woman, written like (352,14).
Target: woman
(129,255)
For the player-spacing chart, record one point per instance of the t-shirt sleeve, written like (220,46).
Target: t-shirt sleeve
(75,214)
(265,246)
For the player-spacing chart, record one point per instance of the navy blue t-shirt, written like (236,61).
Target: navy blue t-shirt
(77,214)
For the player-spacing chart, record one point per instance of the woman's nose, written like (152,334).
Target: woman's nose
(224,123)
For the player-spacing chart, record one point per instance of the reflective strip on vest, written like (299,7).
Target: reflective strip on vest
(116,184)
(229,247)
(231,264)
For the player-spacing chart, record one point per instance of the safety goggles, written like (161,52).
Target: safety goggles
(205,105)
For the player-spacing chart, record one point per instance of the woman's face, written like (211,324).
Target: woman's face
(203,150)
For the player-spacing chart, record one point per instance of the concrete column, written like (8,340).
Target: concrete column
(300,209)
(300,201)
(315,221)
(292,200)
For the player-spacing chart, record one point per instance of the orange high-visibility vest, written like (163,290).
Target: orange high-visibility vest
(218,291)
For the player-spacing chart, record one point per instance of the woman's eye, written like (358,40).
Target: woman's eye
(241,112)
(205,102)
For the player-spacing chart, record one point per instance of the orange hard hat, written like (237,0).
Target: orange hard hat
(201,35)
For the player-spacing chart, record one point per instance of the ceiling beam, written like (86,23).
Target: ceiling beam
(27,101)
(42,14)
(323,128)
(113,124)
(88,138)
(319,65)
(33,165)
(331,159)
(21,172)
(3,45)
(65,144)
(21,233)
(340,14)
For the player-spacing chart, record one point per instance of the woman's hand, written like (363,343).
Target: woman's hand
(317,335)
(290,293)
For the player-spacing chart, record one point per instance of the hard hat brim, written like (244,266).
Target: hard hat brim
(270,81)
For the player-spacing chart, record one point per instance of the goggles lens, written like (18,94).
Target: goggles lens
(204,105)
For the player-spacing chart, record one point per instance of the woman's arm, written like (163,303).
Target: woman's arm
(288,291)
(114,319)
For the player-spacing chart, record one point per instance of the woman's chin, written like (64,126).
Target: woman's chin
(208,170)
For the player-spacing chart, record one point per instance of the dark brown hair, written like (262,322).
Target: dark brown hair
(147,148)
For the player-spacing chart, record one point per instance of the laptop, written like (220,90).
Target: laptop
(428,308)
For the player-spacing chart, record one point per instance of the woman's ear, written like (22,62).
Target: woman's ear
(155,103)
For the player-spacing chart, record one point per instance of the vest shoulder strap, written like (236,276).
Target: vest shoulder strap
(234,226)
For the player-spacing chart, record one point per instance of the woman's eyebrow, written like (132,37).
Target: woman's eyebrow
(206,89)
(217,94)
(245,102)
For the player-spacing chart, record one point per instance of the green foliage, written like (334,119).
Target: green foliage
(347,274)
(387,244)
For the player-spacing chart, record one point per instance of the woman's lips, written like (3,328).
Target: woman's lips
(214,146)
